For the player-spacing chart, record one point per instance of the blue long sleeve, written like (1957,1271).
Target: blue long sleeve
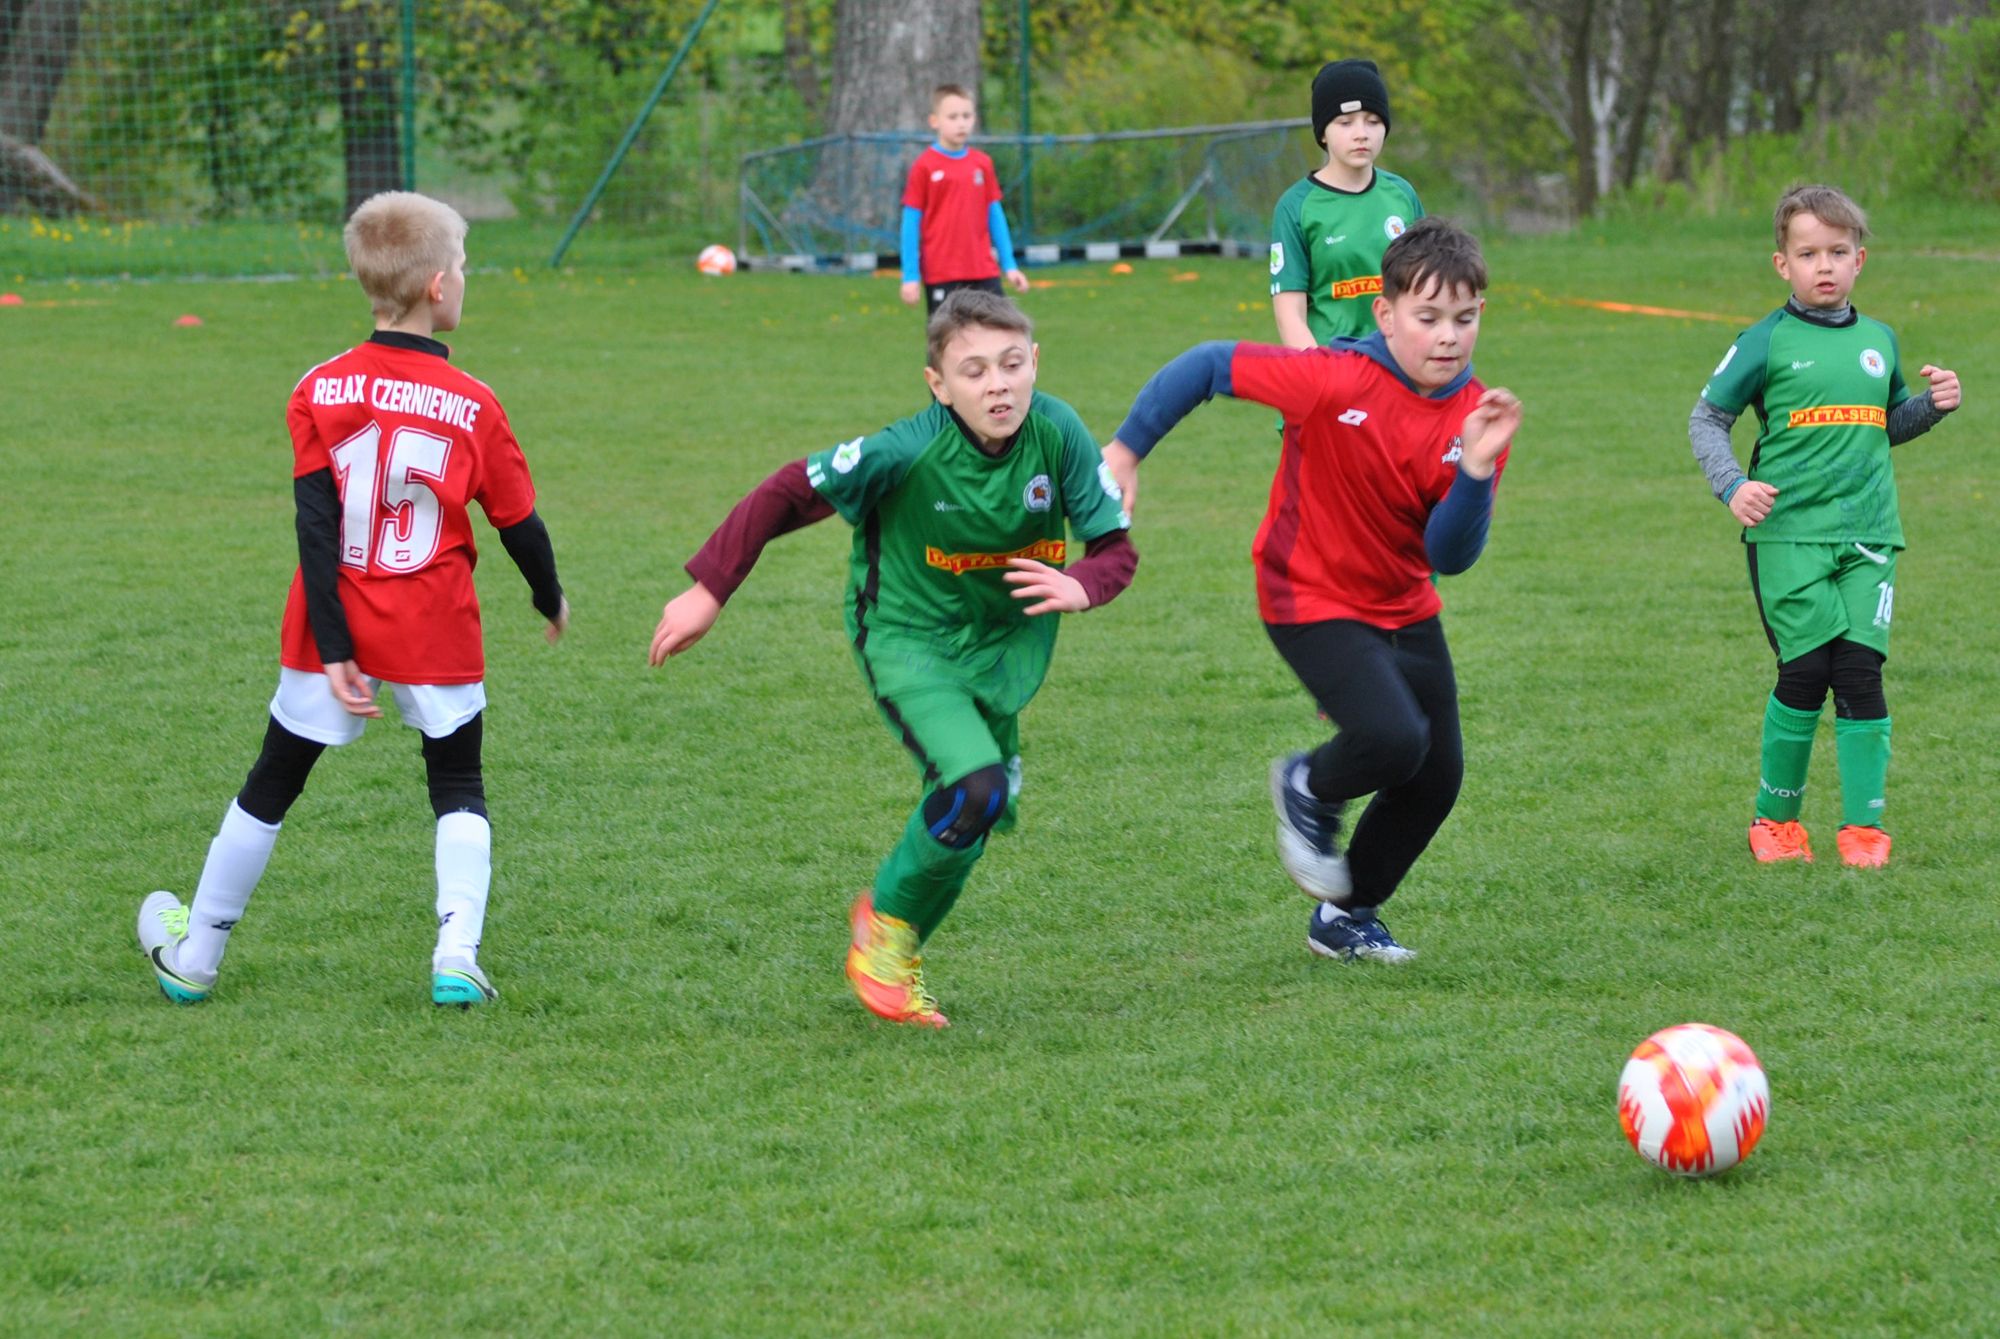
(1199,375)
(1455,536)
(1003,241)
(913,223)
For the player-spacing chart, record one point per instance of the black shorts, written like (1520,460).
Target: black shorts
(935,294)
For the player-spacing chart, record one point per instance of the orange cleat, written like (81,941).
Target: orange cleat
(1772,841)
(885,970)
(1863,848)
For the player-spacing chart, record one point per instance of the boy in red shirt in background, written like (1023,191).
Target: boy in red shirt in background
(1391,453)
(390,442)
(954,232)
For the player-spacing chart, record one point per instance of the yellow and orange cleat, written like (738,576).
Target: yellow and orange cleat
(885,970)
(1771,841)
(1863,848)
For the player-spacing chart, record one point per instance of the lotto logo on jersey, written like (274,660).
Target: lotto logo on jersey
(1394,226)
(1368,285)
(1042,550)
(1839,416)
(1873,363)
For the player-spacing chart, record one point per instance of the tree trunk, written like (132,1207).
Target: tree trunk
(800,67)
(1577,47)
(1659,15)
(33,59)
(887,57)
(368,101)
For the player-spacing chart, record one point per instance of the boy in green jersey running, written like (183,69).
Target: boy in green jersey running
(957,572)
(1818,507)
(1330,229)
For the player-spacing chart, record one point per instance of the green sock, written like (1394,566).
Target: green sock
(920,879)
(1863,750)
(1788,741)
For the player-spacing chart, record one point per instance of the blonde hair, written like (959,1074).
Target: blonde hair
(395,242)
(1828,204)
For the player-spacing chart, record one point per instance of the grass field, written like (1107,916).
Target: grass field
(1156,1114)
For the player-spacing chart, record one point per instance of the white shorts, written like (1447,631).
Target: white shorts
(305,705)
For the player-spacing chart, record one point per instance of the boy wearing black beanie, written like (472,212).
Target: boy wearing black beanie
(1330,229)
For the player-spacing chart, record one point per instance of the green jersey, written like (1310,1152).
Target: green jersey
(1328,243)
(1822,395)
(936,519)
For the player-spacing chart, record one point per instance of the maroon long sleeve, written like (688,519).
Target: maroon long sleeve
(781,504)
(1106,567)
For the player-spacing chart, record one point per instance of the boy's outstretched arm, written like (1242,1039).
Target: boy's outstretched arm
(781,504)
(1199,375)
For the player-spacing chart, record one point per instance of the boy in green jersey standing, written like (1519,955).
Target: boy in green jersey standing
(1330,229)
(1818,507)
(957,572)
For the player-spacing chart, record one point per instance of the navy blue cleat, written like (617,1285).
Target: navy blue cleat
(1308,833)
(1358,934)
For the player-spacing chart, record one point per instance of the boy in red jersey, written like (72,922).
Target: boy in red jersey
(954,231)
(1391,453)
(390,442)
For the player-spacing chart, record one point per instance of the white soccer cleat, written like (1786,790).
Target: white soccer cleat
(162,927)
(1308,832)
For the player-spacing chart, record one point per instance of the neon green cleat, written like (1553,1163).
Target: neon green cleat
(459,981)
(162,926)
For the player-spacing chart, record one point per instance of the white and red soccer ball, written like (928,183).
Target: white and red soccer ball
(1693,1099)
(716,259)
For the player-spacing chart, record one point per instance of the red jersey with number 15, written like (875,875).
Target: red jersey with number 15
(410,440)
(1365,462)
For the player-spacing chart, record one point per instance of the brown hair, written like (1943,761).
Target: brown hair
(1433,248)
(943,91)
(1828,204)
(395,242)
(970,307)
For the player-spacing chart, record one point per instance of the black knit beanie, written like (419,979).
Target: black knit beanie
(1344,86)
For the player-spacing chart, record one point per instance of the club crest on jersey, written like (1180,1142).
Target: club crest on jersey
(979,176)
(1037,496)
(1277,256)
(937,175)
(1873,364)
(846,456)
(1453,450)
(1394,226)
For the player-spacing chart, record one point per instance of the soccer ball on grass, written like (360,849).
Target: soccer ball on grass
(1693,1099)
(716,259)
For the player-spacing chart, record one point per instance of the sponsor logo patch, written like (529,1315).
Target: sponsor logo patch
(1277,257)
(1111,488)
(1368,285)
(846,456)
(1838,416)
(1042,550)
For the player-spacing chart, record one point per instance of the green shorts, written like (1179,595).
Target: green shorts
(1809,594)
(955,713)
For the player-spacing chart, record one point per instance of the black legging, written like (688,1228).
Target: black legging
(1394,700)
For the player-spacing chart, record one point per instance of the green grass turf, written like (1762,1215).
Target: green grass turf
(1156,1114)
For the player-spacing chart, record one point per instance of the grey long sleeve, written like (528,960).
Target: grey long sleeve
(1914,417)
(1708,431)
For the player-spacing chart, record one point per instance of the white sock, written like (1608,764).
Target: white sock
(1329,913)
(464,873)
(236,860)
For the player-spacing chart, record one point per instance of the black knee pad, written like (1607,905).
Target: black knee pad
(1857,682)
(278,775)
(966,810)
(1803,681)
(451,765)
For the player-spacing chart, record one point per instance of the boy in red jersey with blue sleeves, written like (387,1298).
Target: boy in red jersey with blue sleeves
(390,444)
(1392,450)
(954,233)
